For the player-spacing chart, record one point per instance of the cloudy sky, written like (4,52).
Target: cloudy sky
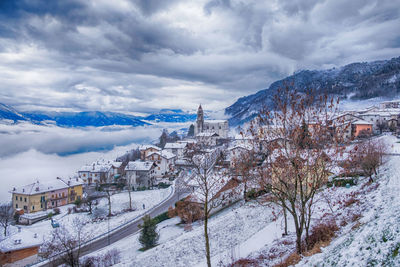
(143,55)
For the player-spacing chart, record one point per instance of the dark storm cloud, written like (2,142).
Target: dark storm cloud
(146,54)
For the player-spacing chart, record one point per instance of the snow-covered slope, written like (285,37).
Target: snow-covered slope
(376,242)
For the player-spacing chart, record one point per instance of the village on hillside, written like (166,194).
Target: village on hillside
(119,190)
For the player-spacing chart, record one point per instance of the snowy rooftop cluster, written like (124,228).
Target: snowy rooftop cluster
(175,145)
(100,166)
(164,154)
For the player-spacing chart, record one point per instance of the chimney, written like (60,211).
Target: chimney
(69,182)
(14,189)
(23,189)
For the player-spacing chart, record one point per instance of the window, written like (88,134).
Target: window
(25,207)
(24,199)
(41,205)
(20,198)
(33,207)
(16,197)
(95,175)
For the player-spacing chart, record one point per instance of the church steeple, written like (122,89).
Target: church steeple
(200,120)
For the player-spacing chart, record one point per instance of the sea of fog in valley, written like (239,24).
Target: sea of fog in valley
(30,152)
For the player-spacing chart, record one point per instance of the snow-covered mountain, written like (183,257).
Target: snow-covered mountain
(93,118)
(356,81)
(171,115)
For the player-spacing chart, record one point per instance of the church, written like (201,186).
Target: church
(219,127)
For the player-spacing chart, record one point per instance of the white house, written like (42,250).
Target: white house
(178,149)
(140,173)
(164,161)
(97,172)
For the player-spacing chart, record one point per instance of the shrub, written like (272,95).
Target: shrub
(321,233)
(161,217)
(163,185)
(244,263)
(56,211)
(293,259)
(343,181)
(172,212)
(188,211)
(78,202)
(350,201)
(50,215)
(141,188)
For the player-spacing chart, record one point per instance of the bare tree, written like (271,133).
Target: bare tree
(367,156)
(243,166)
(208,183)
(65,244)
(129,184)
(382,125)
(306,147)
(108,196)
(90,200)
(6,216)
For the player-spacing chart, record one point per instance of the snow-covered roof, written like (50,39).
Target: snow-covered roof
(361,122)
(139,166)
(175,145)
(116,164)
(72,181)
(215,121)
(207,134)
(21,240)
(164,154)
(145,147)
(97,166)
(38,187)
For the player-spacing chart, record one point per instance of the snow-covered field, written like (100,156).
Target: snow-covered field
(229,231)
(94,227)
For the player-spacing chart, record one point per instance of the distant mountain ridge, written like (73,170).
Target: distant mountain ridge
(355,81)
(92,118)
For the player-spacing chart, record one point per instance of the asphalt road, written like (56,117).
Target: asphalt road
(120,233)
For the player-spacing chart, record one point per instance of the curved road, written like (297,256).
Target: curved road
(120,233)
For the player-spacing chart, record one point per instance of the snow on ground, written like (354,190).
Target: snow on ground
(129,247)
(94,225)
(376,242)
(227,230)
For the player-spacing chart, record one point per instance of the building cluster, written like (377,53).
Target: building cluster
(373,120)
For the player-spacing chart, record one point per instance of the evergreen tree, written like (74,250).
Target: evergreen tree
(163,138)
(191,130)
(148,236)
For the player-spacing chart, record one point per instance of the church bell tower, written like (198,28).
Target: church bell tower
(200,120)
